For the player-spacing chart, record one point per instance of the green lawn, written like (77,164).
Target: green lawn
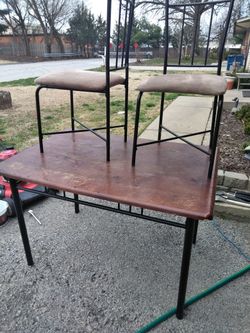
(19,83)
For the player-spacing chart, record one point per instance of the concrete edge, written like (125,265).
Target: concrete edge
(232,181)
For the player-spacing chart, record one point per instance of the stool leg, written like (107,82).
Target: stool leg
(215,135)
(161,116)
(39,122)
(187,248)
(72,110)
(21,222)
(196,224)
(215,103)
(108,125)
(137,117)
(126,112)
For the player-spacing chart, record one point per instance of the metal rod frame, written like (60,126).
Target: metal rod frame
(214,132)
(218,100)
(89,129)
(104,207)
(21,221)
(128,22)
(190,227)
(187,248)
(82,130)
(174,138)
(197,7)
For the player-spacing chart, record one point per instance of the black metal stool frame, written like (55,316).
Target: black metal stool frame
(128,22)
(218,100)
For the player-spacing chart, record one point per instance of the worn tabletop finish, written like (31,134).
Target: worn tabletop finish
(170,177)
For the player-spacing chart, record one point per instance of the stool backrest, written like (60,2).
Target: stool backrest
(191,27)
(124,22)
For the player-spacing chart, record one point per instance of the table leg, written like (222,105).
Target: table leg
(21,222)
(187,248)
(196,223)
(76,204)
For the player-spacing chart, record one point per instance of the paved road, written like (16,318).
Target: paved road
(21,71)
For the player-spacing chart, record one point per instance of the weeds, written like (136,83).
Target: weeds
(244,115)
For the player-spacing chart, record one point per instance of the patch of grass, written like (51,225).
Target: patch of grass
(168,96)
(244,115)
(2,126)
(48,117)
(245,144)
(187,61)
(172,96)
(118,103)
(98,69)
(150,104)
(19,83)
(88,107)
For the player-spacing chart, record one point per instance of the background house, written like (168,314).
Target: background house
(242,26)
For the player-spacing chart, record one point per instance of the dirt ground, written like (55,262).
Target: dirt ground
(231,142)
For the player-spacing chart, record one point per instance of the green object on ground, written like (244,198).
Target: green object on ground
(193,299)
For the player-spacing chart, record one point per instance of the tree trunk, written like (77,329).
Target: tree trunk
(5,100)
(196,30)
(59,41)
(26,43)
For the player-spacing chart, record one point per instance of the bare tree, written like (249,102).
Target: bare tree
(51,15)
(18,20)
(192,16)
(3,13)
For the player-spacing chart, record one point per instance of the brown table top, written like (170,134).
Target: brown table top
(170,177)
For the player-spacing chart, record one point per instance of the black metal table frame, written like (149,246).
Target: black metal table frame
(190,226)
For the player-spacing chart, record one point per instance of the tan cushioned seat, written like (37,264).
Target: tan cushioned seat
(79,80)
(203,84)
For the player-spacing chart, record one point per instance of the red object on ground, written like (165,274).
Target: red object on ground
(7,154)
(5,191)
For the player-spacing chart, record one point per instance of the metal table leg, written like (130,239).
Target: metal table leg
(76,204)
(21,222)
(196,224)
(188,241)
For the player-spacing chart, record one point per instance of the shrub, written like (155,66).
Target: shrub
(244,115)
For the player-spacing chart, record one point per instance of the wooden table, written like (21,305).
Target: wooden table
(170,178)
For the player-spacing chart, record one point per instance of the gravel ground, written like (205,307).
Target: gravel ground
(104,272)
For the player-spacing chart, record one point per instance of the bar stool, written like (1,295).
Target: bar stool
(202,84)
(95,82)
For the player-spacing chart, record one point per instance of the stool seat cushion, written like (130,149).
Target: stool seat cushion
(79,80)
(202,84)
